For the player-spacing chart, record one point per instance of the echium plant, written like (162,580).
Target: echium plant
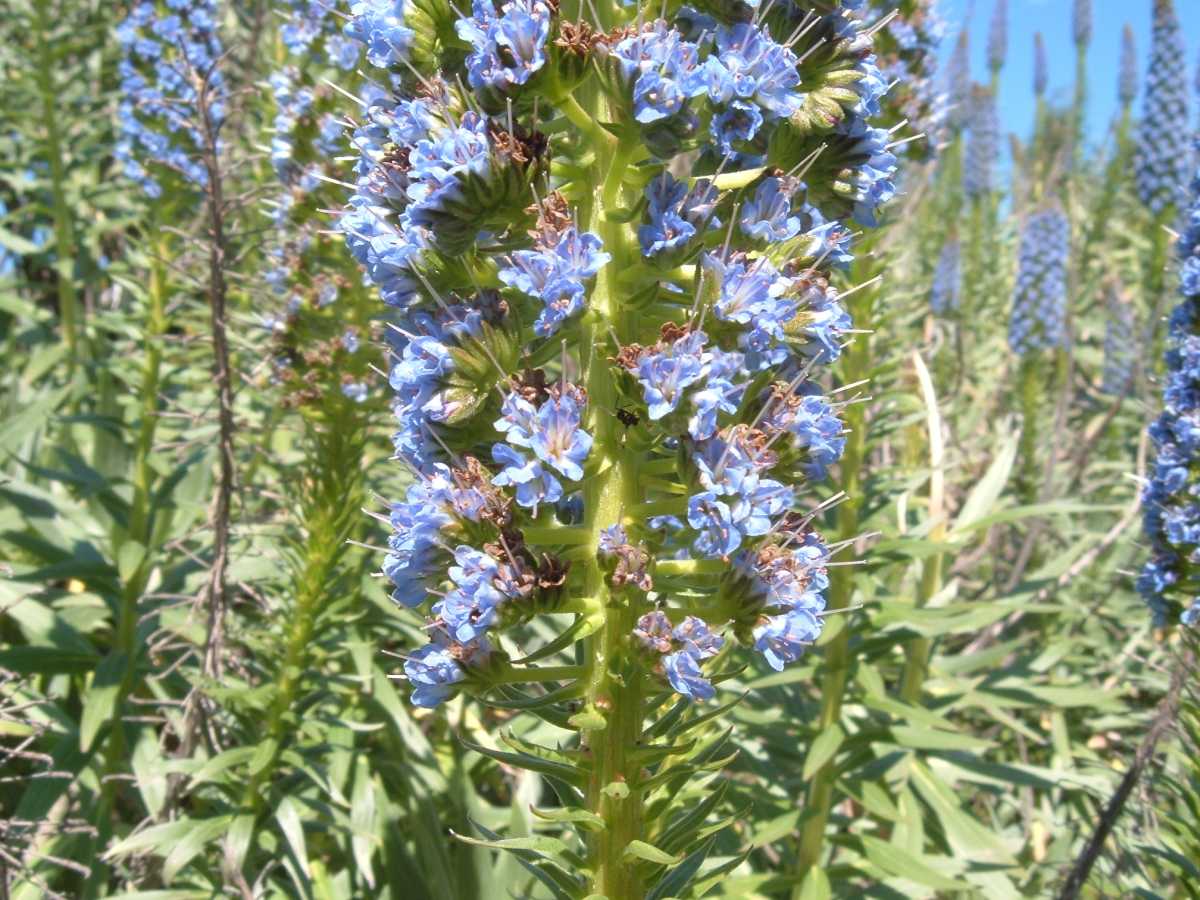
(1164,137)
(1127,79)
(1039,305)
(1041,70)
(1169,581)
(168,60)
(983,145)
(944,292)
(997,44)
(608,232)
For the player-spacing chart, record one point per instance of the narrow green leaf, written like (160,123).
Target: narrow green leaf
(650,853)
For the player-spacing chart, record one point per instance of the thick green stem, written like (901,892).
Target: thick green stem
(614,679)
(836,666)
(64,228)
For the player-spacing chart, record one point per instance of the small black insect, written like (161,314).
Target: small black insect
(627,417)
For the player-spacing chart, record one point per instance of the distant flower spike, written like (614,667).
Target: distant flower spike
(1163,150)
(1039,306)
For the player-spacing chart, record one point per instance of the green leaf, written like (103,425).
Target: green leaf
(822,749)
(816,885)
(584,818)
(899,862)
(100,700)
(287,814)
(650,853)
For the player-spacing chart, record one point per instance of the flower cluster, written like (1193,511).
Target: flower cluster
(1171,513)
(944,293)
(997,46)
(679,650)
(1163,145)
(1039,306)
(1120,347)
(1127,80)
(907,55)
(1081,22)
(168,67)
(314,351)
(657,300)
(983,146)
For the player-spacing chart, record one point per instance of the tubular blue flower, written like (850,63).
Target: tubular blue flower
(697,639)
(557,438)
(611,538)
(997,45)
(555,273)
(507,48)
(1127,80)
(1081,22)
(750,66)
(675,214)
(433,671)
(1039,313)
(767,216)
(534,485)
(660,69)
(379,26)
(683,672)
(943,295)
(1163,145)
(982,147)
(712,519)
(1040,68)
(782,639)
(666,371)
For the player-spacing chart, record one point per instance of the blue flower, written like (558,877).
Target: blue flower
(534,485)
(612,538)
(983,146)
(555,272)
(1081,22)
(379,25)
(666,370)
(683,672)
(557,438)
(659,67)
(697,639)
(767,216)
(783,639)
(713,519)
(748,65)
(432,671)
(508,48)
(675,213)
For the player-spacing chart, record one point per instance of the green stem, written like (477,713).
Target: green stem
(614,679)
(837,658)
(64,229)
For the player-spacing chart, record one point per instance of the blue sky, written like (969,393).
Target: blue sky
(1053,19)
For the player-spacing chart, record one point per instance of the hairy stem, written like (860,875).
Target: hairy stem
(614,681)
(214,594)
